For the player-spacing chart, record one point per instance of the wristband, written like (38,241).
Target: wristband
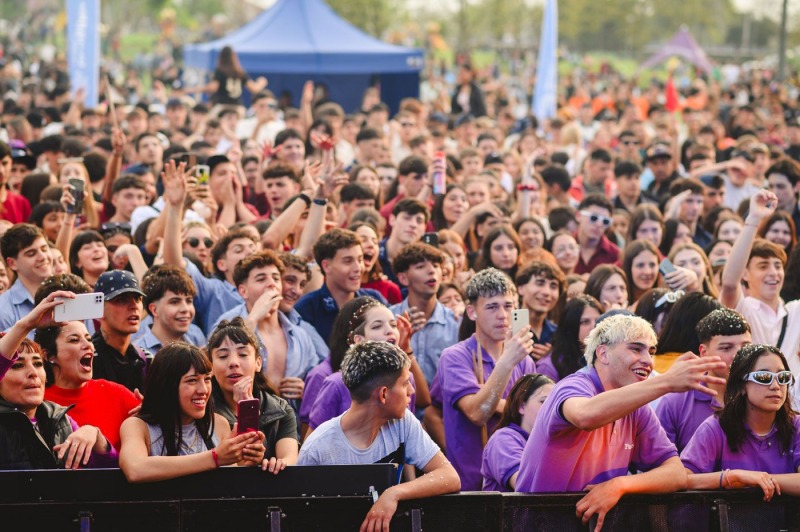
(305,198)
(721,474)
(320,201)
(216,459)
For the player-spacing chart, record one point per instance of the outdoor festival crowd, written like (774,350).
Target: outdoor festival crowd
(358,275)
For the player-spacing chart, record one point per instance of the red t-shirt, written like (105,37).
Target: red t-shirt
(16,209)
(100,403)
(387,289)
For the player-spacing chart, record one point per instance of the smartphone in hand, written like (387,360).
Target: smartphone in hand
(248,415)
(519,319)
(83,307)
(666,267)
(77,186)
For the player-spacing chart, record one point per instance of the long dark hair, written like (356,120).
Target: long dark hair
(80,240)
(732,416)
(228,64)
(633,250)
(519,394)
(678,335)
(485,259)
(567,352)
(349,322)
(161,405)
(779,216)
(238,333)
(437,213)
(670,232)
(599,277)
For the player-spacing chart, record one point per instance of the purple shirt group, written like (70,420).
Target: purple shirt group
(681,413)
(456,376)
(559,457)
(501,457)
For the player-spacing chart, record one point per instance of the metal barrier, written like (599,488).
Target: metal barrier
(337,498)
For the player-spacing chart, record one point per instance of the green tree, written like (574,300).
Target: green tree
(372,16)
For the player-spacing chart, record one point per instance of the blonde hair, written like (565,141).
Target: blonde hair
(618,329)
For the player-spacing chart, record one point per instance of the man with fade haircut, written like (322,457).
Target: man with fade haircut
(150,152)
(783,179)
(379,428)
(721,333)
(169,301)
(409,219)
(290,148)
(596,424)
(597,177)
(687,206)
(594,217)
(370,144)
(412,174)
(128,193)
(338,253)
(759,265)
(281,182)
(15,208)
(295,277)
(475,376)
(540,284)
(352,197)
(214,295)
(26,252)
(418,266)
(629,191)
(286,350)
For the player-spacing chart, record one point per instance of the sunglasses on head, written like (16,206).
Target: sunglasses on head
(595,218)
(114,228)
(194,242)
(765,378)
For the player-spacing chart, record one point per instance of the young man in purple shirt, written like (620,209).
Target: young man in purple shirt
(596,423)
(473,394)
(722,333)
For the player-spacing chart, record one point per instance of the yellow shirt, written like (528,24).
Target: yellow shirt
(661,363)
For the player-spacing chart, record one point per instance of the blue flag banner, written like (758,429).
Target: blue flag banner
(83,48)
(545,94)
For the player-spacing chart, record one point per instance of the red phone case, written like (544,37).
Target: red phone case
(248,415)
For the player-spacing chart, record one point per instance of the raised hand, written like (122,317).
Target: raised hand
(174,180)
(762,205)
(691,372)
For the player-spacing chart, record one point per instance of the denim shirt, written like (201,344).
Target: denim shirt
(15,304)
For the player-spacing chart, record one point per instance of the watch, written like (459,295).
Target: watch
(320,201)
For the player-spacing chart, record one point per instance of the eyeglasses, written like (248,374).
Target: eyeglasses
(595,218)
(194,242)
(114,228)
(765,378)
(670,297)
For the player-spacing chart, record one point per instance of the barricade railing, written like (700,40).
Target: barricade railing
(338,498)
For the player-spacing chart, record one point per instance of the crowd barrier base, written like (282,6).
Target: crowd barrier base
(338,498)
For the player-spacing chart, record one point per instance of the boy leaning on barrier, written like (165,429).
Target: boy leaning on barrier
(379,428)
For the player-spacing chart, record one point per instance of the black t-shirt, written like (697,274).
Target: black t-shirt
(109,364)
(230,89)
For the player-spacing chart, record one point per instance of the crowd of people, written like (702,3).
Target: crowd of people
(361,277)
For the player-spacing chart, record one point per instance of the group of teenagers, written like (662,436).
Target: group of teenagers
(372,312)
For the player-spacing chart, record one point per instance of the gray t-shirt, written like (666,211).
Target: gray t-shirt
(328,445)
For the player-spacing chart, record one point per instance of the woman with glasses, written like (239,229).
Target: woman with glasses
(755,436)
(198,240)
(565,249)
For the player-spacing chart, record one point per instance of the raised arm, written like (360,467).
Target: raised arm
(762,205)
(64,238)
(689,372)
(114,163)
(40,316)
(174,182)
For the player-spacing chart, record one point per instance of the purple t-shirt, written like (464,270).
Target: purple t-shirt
(681,413)
(559,457)
(463,438)
(545,366)
(313,383)
(334,399)
(501,457)
(708,451)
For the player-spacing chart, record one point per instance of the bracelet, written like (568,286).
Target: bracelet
(721,474)
(320,201)
(305,198)
(727,479)
(216,458)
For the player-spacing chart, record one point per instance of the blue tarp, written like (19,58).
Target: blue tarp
(306,39)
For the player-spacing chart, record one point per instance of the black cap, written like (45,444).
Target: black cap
(117,282)
(465,118)
(658,151)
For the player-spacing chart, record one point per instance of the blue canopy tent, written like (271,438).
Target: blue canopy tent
(297,40)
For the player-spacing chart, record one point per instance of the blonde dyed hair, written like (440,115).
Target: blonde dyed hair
(618,329)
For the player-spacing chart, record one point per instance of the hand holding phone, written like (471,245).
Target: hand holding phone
(82,307)
(520,318)
(666,267)
(77,186)
(203,172)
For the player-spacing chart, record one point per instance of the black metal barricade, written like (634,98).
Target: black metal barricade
(338,498)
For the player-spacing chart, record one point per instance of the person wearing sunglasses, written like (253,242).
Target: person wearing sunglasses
(756,432)
(198,240)
(594,217)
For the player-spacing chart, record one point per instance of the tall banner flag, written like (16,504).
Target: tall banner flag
(83,48)
(545,94)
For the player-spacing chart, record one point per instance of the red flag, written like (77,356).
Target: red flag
(671,101)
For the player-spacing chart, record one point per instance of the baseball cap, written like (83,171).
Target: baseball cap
(117,282)
(21,154)
(658,151)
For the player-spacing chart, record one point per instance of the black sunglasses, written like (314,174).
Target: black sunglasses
(194,242)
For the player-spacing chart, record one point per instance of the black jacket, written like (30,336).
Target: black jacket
(24,447)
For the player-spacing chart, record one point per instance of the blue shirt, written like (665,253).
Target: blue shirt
(440,331)
(320,309)
(213,298)
(151,344)
(300,353)
(15,303)
(548,330)
(323,351)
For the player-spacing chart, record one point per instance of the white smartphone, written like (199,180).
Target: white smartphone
(83,307)
(519,319)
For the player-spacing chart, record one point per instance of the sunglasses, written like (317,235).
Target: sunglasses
(595,218)
(420,176)
(194,242)
(113,228)
(765,378)
(670,297)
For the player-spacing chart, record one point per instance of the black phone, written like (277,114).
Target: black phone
(432,239)
(77,193)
